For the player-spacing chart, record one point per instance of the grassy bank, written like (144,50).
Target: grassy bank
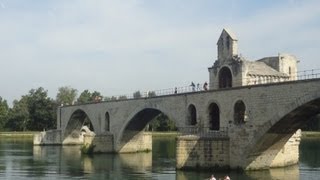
(164,133)
(20,134)
(311,134)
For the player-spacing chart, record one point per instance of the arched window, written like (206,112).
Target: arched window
(192,115)
(225,78)
(214,117)
(239,112)
(107,122)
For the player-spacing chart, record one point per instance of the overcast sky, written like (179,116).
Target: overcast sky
(118,47)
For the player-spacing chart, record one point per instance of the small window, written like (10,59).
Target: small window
(192,115)
(214,117)
(239,112)
(107,122)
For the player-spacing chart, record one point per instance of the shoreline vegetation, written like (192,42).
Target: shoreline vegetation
(29,134)
(18,134)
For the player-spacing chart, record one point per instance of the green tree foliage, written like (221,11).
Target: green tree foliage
(85,97)
(96,96)
(41,109)
(4,110)
(35,112)
(151,94)
(66,95)
(122,97)
(162,123)
(313,124)
(19,117)
(137,94)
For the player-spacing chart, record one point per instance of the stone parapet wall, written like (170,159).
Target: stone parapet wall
(194,152)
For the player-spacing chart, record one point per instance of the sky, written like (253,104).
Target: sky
(118,47)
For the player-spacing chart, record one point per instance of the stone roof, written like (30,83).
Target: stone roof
(231,34)
(262,69)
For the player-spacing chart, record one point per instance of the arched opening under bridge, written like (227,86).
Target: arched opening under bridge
(281,139)
(78,125)
(142,129)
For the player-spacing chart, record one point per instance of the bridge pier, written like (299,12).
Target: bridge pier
(277,155)
(135,142)
(195,152)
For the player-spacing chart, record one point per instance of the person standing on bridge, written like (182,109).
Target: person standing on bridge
(205,86)
(193,86)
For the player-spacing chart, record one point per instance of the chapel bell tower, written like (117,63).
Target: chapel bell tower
(227,46)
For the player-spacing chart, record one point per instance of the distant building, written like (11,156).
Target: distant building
(232,70)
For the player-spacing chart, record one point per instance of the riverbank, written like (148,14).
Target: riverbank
(18,134)
(310,134)
(165,133)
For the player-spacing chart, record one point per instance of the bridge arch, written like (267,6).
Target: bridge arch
(239,112)
(225,77)
(274,134)
(77,120)
(214,116)
(192,115)
(137,122)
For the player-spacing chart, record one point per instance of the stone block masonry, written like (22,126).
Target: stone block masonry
(194,152)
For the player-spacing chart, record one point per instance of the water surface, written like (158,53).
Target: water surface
(19,159)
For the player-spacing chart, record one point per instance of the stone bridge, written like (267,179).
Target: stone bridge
(248,127)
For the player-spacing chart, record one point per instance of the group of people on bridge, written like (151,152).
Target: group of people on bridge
(193,86)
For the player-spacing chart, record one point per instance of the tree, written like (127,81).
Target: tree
(34,111)
(85,97)
(151,94)
(18,117)
(4,110)
(96,96)
(162,123)
(42,110)
(137,94)
(66,95)
(122,97)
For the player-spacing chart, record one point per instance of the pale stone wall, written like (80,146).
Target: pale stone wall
(265,106)
(289,154)
(138,143)
(52,137)
(102,143)
(278,155)
(194,152)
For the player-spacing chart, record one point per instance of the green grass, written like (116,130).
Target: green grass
(310,134)
(18,134)
(164,133)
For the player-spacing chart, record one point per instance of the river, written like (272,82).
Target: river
(19,159)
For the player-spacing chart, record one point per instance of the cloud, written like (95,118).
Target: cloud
(117,47)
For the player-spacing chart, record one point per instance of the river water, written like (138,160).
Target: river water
(19,159)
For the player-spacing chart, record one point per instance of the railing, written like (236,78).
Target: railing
(204,132)
(308,74)
(198,87)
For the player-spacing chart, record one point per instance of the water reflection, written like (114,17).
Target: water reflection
(19,159)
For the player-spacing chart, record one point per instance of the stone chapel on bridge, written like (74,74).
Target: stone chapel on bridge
(232,70)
